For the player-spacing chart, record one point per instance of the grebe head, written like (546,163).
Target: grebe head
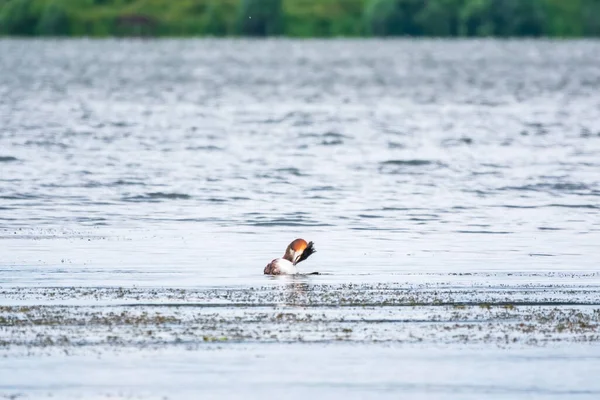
(298,251)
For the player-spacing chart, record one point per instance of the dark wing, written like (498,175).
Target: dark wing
(310,249)
(271,269)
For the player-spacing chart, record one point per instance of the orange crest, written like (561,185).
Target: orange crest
(298,245)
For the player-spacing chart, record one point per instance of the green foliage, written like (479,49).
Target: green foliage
(382,18)
(413,17)
(475,19)
(18,18)
(502,18)
(440,18)
(518,18)
(591,18)
(564,18)
(301,18)
(54,20)
(260,17)
(305,18)
(219,19)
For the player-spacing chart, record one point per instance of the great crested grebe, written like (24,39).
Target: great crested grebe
(296,252)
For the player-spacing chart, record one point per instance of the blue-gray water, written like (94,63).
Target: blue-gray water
(144,180)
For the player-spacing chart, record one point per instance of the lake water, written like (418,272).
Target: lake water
(452,189)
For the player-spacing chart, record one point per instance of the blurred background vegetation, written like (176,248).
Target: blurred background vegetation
(300,18)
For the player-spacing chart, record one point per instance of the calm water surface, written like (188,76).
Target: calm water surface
(469,166)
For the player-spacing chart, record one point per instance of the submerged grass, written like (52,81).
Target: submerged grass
(115,317)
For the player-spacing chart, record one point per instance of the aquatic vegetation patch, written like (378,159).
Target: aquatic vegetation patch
(104,318)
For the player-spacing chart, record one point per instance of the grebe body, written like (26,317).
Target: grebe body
(297,251)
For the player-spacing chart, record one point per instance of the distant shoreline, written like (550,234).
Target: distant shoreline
(305,19)
(303,39)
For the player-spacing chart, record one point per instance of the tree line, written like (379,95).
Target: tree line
(301,18)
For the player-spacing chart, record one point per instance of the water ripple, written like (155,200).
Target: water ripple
(158,196)
(375,142)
